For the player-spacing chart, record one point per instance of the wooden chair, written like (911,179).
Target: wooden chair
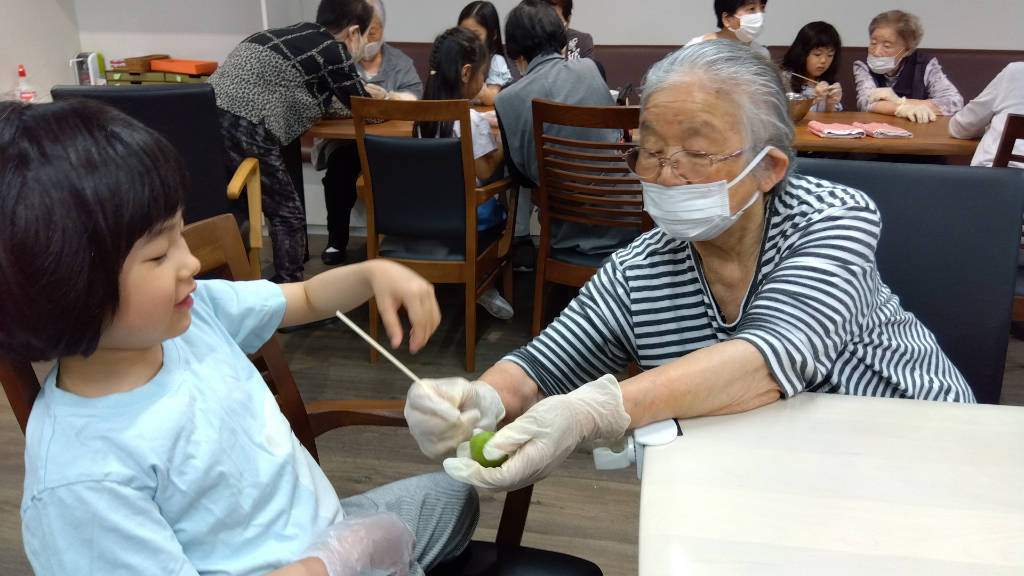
(186,115)
(1013,131)
(584,182)
(425,189)
(217,243)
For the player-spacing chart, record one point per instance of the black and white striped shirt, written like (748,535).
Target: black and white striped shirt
(816,310)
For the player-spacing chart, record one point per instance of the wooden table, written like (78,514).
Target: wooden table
(929,139)
(829,484)
(345,129)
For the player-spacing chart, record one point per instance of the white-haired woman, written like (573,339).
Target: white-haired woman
(757,285)
(897,78)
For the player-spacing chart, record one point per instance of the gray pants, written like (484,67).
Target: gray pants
(441,513)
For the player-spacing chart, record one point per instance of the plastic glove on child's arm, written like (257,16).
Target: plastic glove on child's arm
(442,413)
(366,545)
(544,436)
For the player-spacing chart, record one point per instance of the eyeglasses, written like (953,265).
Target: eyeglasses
(689,165)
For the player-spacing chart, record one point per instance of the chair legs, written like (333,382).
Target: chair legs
(470,326)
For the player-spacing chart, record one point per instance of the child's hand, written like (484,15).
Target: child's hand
(395,286)
(820,91)
(835,94)
(375,544)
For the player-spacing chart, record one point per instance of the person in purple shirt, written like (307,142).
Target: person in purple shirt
(898,79)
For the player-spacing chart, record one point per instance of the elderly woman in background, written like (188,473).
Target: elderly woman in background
(391,74)
(899,80)
(738,20)
(759,284)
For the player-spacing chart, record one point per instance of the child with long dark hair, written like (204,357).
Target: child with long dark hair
(458,67)
(815,55)
(482,19)
(154,445)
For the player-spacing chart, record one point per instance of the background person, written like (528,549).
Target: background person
(270,91)
(154,445)
(738,20)
(577,44)
(985,116)
(536,36)
(758,284)
(815,54)
(482,19)
(391,70)
(899,80)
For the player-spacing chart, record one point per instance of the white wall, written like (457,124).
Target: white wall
(43,36)
(989,24)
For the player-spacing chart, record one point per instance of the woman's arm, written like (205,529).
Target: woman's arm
(942,94)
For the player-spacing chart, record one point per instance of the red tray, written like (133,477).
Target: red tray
(183,66)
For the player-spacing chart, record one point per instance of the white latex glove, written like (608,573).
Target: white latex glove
(442,413)
(400,96)
(544,436)
(376,91)
(915,112)
(372,545)
(883,94)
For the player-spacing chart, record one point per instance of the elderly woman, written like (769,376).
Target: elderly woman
(738,20)
(898,79)
(757,285)
(389,73)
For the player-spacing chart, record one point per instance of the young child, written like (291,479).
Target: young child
(482,19)
(458,67)
(815,54)
(154,446)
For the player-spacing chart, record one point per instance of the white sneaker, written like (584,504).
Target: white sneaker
(495,305)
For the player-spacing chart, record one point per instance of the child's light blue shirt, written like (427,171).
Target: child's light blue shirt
(196,472)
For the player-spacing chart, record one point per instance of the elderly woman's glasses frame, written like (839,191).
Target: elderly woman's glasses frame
(689,165)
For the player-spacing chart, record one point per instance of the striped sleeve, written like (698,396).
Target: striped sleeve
(590,338)
(817,299)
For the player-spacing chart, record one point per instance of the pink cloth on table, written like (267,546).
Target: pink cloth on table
(834,130)
(883,130)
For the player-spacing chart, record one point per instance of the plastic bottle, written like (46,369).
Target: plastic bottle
(26,93)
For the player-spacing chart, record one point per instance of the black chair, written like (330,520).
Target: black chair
(948,249)
(186,115)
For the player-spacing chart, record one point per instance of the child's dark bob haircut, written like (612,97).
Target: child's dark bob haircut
(79,184)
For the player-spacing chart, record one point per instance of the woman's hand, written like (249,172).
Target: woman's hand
(365,545)
(395,286)
(541,439)
(443,412)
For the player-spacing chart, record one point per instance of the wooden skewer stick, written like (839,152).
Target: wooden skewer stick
(806,79)
(376,345)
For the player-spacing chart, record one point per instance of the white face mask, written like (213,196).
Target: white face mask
(882,64)
(696,212)
(371,49)
(750,27)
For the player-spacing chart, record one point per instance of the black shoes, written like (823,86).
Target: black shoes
(332,256)
(524,254)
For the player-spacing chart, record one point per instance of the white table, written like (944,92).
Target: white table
(824,484)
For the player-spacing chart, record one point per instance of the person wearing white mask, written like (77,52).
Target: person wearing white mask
(898,79)
(388,73)
(757,285)
(739,20)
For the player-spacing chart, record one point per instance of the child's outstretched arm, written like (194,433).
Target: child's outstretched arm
(393,285)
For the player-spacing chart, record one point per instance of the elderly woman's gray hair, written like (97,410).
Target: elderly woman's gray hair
(906,25)
(378,10)
(734,72)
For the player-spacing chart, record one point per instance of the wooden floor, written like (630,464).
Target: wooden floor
(577,510)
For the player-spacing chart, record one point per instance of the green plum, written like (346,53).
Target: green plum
(476,450)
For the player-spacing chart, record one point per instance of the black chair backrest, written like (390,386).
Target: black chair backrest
(184,114)
(418,187)
(948,249)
